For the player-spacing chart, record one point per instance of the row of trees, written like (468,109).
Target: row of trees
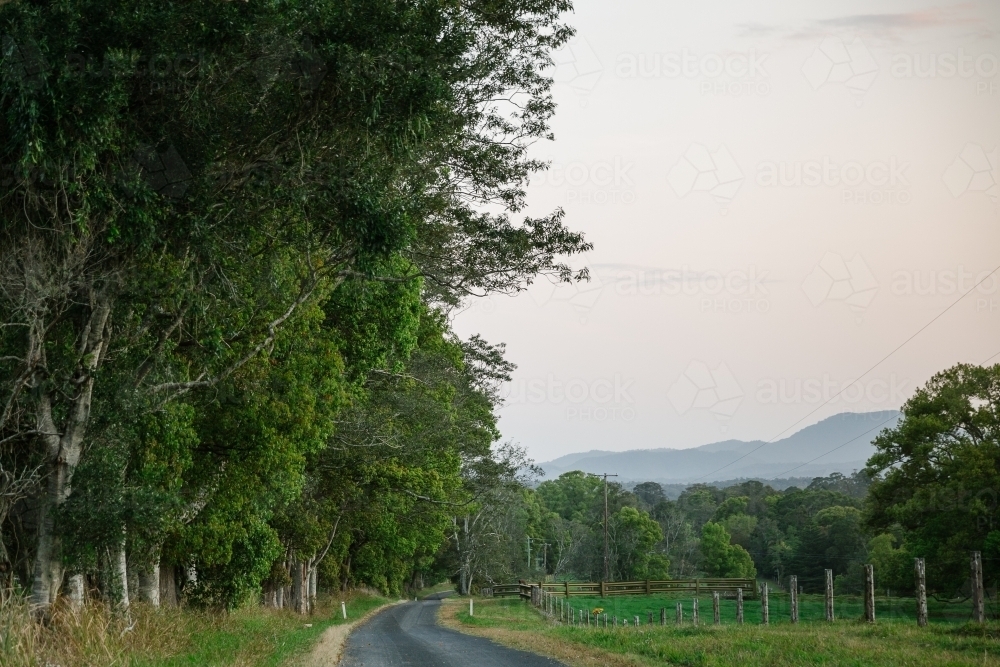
(930,491)
(230,235)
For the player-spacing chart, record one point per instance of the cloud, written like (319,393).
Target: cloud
(887,25)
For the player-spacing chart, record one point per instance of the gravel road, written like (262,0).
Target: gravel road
(408,634)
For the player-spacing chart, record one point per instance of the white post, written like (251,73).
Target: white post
(343,609)
(470,606)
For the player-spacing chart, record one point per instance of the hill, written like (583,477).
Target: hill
(850,433)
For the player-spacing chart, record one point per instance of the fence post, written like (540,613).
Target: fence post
(739,605)
(567,588)
(918,565)
(602,588)
(829,595)
(663,615)
(614,621)
(869,594)
(636,621)
(764,615)
(648,589)
(694,612)
(793,599)
(650,618)
(680,613)
(978,611)
(715,608)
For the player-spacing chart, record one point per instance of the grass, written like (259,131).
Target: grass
(810,642)
(811,608)
(146,637)
(438,588)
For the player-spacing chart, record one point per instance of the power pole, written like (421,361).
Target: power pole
(607,576)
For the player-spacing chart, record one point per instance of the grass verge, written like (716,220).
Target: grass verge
(845,642)
(146,637)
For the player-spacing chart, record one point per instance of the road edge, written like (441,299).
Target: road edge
(329,648)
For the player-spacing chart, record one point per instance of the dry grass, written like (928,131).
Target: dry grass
(97,636)
(94,635)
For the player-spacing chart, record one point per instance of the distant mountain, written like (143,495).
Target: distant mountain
(843,441)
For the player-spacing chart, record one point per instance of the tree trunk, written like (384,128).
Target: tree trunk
(63,447)
(149,584)
(298,586)
(118,577)
(76,591)
(313,576)
(168,586)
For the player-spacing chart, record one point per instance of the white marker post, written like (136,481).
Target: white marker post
(343,609)
(470,606)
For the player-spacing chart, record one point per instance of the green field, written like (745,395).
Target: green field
(811,608)
(846,642)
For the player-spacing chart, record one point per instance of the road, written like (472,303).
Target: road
(408,634)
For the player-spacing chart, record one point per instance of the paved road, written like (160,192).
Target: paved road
(407,634)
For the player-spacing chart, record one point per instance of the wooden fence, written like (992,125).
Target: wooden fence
(553,599)
(609,588)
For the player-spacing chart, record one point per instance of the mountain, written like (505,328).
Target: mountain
(841,443)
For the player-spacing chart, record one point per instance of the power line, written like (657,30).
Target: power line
(850,384)
(854,438)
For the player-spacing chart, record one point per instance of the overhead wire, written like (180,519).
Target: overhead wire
(853,382)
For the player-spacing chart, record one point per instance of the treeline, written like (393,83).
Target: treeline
(930,491)
(231,235)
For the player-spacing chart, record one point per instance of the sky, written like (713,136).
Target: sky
(783,197)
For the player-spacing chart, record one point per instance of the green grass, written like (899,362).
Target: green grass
(811,608)
(846,642)
(261,637)
(438,588)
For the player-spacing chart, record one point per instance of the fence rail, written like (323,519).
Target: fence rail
(610,588)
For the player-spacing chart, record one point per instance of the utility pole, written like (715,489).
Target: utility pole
(607,576)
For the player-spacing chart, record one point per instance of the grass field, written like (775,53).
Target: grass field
(811,608)
(845,642)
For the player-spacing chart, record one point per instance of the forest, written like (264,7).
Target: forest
(930,491)
(232,236)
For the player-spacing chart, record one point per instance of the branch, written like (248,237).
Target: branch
(272,327)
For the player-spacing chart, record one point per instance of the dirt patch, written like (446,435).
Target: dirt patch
(330,647)
(536,642)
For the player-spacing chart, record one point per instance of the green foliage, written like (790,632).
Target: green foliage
(722,559)
(935,475)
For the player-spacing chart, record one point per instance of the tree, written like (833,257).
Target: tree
(722,559)
(161,231)
(649,494)
(633,534)
(934,475)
